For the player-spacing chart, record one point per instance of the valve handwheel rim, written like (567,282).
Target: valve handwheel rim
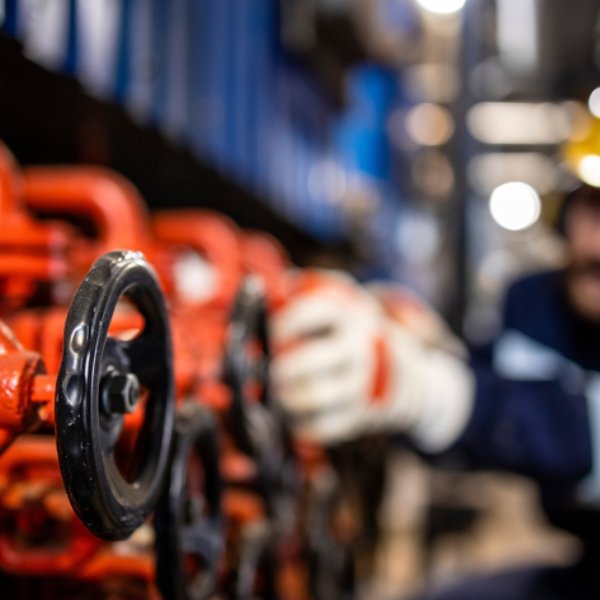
(98,383)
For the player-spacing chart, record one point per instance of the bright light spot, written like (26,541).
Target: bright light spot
(588,169)
(442,7)
(196,279)
(515,205)
(594,102)
(429,124)
(528,123)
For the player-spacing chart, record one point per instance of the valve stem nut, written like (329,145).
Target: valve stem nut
(120,392)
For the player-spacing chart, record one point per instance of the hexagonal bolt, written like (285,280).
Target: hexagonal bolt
(120,392)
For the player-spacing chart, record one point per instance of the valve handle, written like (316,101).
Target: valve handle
(258,427)
(101,378)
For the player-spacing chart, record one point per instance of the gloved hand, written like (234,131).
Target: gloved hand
(349,362)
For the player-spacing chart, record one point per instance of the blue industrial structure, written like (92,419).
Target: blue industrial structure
(212,75)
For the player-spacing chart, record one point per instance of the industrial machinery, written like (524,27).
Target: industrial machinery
(142,452)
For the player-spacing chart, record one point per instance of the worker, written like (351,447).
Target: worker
(353,360)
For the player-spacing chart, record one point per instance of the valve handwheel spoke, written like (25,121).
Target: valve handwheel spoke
(138,352)
(101,379)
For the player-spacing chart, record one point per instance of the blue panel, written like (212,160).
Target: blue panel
(160,31)
(218,78)
(263,58)
(201,133)
(176,109)
(141,60)
(237,89)
(221,84)
(10,26)
(72,49)
(122,77)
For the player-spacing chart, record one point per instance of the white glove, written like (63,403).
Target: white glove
(344,367)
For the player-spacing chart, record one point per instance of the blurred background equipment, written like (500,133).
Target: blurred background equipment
(427,142)
(331,124)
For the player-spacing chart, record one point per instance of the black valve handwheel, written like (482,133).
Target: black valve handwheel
(257,425)
(101,378)
(189,520)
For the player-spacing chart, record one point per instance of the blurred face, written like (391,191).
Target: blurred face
(582,228)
